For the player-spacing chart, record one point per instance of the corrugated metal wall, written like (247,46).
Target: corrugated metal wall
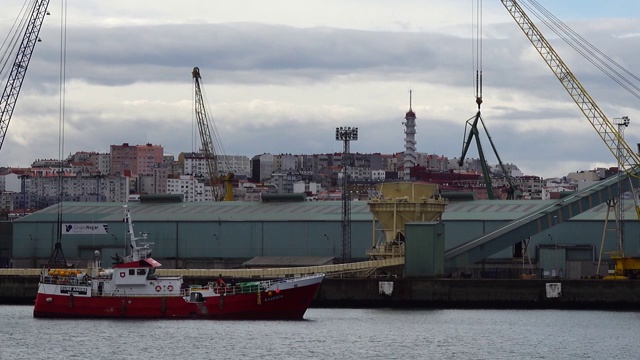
(568,233)
(180,240)
(265,233)
(424,249)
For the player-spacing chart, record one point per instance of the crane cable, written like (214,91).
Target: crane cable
(610,68)
(219,151)
(61,114)
(588,51)
(596,57)
(476,14)
(11,41)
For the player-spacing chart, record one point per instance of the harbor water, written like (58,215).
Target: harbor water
(332,334)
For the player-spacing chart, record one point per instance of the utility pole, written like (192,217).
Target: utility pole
(346,135)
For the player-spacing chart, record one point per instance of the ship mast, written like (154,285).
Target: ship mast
(137,252)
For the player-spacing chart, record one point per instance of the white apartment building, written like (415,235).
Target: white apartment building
(263,167)
(12,183)
(392,164)
(50,171)
(433,162)
(7,201)
(194,164)
(283,181)
(15,191)
(547,191)
(92,162)
(145,184)
(286,162)
(192,188)
(531,186)
(378,175)
(155,183)
(511,169)
(589,175)
(104,188)
(306,187)
(359,173)
(160,176)
(101,162)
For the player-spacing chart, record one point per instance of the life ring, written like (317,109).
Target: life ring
(170,287)
(158,288)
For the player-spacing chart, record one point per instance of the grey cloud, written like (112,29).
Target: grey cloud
(258,53)
(116,56)
(266,54)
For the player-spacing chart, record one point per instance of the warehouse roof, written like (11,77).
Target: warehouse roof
(203,211)
(499,210)
(494,209)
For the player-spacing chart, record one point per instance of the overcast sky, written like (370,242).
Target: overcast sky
(279,77)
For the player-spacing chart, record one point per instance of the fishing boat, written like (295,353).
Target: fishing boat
(131,289)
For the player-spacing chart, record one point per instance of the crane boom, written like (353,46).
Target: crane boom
(628,159)
(205,135)
(20,64)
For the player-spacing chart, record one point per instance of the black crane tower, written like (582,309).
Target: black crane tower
(30,36)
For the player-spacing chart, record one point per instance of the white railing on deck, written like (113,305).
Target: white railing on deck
(63,280)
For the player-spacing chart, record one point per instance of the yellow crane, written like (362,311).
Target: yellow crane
(210,157)
(628,160)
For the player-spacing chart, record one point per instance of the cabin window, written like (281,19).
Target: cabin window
(132,271)
(141,272)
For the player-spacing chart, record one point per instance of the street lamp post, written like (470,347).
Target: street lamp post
(622,123)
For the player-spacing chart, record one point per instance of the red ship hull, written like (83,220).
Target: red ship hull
(132,290)
(288,304)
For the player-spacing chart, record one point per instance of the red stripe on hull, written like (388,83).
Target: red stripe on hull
(290,304)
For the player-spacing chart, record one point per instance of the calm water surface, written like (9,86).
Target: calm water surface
(331,334)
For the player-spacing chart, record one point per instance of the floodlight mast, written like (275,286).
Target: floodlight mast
(346,134)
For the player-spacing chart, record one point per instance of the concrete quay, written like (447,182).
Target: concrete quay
(481,294)
(430,293)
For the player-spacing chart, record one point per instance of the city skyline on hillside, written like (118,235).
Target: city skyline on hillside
(473,161)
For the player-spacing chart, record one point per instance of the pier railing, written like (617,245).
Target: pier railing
(355,267)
